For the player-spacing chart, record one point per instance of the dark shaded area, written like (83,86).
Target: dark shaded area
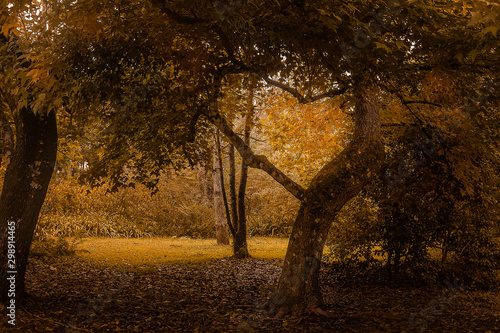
(220,296)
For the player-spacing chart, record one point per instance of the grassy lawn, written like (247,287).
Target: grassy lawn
(153,251)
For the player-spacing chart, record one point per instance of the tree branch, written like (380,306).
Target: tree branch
(421,102)
(395,125)
(301,98)
(249,157)
(227,46)
(179,18)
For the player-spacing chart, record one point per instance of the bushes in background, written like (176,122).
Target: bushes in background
(75,210)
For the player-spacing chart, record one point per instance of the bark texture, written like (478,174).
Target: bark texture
(206,189)
(221,233)
(339,181)
(240,247)
(25,186)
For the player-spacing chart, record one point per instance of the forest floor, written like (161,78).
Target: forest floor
(78,294)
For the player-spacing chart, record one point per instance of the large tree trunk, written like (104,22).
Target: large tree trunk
(340,180)
(221,233)
(335,184)
(25,187)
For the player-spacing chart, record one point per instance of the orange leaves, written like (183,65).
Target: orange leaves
(304,137)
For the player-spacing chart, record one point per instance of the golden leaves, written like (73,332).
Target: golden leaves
(304,137)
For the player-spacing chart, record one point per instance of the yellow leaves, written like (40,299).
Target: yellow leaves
(401,45)
(486,14)
(304,137)
(9,28)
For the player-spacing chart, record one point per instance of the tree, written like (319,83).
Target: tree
(220,200)
(29,172)
(316,67)
(234,99)
(34,86)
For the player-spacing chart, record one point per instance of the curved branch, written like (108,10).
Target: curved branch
(250,158)
(301,98)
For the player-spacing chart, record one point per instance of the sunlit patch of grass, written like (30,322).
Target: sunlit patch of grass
(172,250)
(267,247)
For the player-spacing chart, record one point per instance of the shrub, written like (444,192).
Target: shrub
(72,209)
(44,246)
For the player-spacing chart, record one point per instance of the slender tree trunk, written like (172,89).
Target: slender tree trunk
(7,137)
(219,211)
(240,247)
(232,186)
(25,186)
(340,180)
(206,190)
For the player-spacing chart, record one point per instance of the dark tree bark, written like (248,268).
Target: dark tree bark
(25,186)
(7,137)
(337,182)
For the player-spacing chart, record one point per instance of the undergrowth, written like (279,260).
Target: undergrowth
(43,246)
(177,209)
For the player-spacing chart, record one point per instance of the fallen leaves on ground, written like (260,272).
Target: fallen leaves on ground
(225,296)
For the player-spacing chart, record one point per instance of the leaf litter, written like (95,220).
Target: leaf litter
(224,295)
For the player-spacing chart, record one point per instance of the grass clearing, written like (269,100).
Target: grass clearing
(171,250)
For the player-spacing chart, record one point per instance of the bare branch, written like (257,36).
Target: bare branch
(295,93)
(398,124)
(422,102)
(249,157)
